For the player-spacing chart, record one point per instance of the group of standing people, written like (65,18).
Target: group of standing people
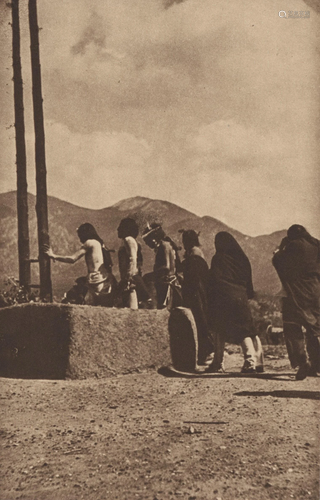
(132,288)
(100,287)
(219,299)
(217,296)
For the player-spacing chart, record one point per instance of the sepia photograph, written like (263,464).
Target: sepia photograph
(159,250)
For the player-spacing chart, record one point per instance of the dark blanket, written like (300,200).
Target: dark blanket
(194,294)
(298,265)
(195,280)
(230,287)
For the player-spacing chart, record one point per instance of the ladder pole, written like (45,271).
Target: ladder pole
(41,172)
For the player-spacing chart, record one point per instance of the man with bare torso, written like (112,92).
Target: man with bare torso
(99,275)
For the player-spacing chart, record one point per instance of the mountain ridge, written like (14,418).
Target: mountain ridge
(65,217)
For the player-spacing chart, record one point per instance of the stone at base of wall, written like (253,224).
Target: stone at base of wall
(183,339)
(60,341)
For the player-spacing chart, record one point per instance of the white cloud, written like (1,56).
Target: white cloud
(228,145)
(227,141)
(88,169)
(226,94)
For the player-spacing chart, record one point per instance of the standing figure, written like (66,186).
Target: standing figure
(297,262)
(230,287)
(165,267)
(132,287)
(100,280)
(194,291)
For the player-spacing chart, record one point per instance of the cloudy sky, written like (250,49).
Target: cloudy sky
(209,104)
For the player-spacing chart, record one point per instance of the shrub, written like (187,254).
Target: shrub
(13,293)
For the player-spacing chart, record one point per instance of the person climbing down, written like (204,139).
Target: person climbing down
(229,288)
(100,280)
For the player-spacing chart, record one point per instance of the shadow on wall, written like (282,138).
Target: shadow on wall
(34,341)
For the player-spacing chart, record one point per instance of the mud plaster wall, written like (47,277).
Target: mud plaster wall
(57,341)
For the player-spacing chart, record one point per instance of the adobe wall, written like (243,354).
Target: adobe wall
(57,341)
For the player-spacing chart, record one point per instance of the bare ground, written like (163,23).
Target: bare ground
(154,437)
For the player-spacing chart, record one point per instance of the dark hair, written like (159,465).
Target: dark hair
(225,242)
(190,239)
(87,232)
(296,232)
(130,227)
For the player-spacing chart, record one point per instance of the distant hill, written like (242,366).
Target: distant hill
(65,217)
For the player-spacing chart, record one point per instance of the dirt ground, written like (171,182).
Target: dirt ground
(153,436)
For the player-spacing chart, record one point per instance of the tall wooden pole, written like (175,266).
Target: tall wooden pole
(41,172)
(21,160)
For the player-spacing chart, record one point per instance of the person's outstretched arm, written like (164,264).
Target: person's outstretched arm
(68,259)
